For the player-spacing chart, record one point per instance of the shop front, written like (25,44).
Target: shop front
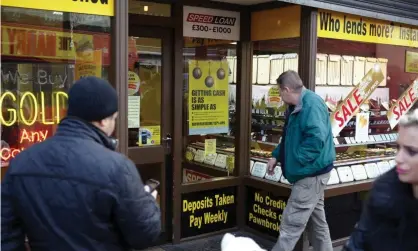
(200,110)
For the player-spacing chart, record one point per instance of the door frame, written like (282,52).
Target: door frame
(146,156)
(149,154)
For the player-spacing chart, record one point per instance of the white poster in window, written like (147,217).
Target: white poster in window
(134,108)
(134,100)
(362,126)
(211,23)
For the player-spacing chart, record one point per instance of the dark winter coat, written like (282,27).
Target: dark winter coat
(74,192)
(390,218)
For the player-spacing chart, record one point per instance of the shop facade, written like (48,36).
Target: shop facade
(199,107)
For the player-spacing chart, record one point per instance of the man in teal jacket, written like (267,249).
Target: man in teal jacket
(306,154)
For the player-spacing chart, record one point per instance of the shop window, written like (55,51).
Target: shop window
(149,8)
(43,53)
(275,50)
(144,91)
(353,53)
(210,80)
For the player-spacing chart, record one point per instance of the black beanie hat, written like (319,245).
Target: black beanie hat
(92,99)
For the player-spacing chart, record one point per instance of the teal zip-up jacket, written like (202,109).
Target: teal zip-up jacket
(309,145)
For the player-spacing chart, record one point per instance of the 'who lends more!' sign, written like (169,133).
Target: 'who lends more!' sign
(403,104)
(351,104)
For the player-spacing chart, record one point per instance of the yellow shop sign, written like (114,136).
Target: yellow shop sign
(93,7)
(355,28)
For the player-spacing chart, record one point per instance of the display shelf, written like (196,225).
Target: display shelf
(362,161)
(205,168)
(341,163)
(347,188)
(365,143)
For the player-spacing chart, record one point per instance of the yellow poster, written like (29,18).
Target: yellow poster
(208,97)
(411,62)
(133,84)
(149,135)
(46,44)
(93,7)
(355,28)
(273,98)
(210,146)
(92,68)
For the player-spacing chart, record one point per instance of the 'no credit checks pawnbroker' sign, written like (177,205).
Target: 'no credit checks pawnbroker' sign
(211,23)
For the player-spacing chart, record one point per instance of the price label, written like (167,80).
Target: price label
(230,163)
(210,159)
(259,170)
(276,175)
(359,173)
(372,170)
(221,161)
(200,156)
(333,178)
(345,174)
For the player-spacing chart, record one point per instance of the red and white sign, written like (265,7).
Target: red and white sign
(211,23)
(403,104)
(351,104)
(193,176)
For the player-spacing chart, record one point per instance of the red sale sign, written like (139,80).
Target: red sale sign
(351,104)
(403,104)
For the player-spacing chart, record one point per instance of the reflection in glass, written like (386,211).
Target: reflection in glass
(36,72)
(144,91)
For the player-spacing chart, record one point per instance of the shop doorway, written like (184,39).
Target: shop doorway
(150,113)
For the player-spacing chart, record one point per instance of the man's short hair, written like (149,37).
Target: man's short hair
(290,79)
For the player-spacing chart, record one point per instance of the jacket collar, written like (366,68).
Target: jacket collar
(299,106)
(78,128)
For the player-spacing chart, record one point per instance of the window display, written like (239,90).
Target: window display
(366,82)
(267,106)
(43,53)
(362,87)
(144,91)
(209,108)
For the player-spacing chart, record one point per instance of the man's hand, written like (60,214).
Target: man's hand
(271,165)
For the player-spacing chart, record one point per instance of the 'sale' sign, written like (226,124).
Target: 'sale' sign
(351,104)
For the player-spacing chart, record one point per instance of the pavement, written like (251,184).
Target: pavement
(213,243)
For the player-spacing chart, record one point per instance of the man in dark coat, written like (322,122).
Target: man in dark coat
(74,191)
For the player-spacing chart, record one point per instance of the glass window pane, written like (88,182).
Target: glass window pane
(42,56)
(209,108)
(144,90)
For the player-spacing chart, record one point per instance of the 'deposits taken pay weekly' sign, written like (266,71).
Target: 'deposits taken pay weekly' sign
(208,97)
(208,211)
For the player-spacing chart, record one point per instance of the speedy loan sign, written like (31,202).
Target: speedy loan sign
(211,23)
(351,104)
(403,104)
